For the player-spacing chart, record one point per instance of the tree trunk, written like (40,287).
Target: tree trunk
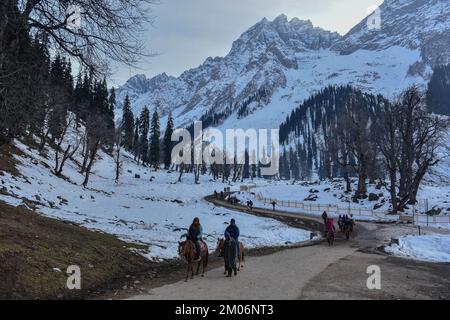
(416,183)
(348,183)
(393,191)
(118,165)
(43,141)
(362,176)
(91,162)
(181,172)
(63,161)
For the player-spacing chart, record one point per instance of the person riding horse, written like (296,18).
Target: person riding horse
(324,217)
(341,222)
(233,231)
(330,230)
(195,234)
(348,224)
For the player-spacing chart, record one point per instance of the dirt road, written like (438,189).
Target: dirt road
(319,271)
(282,275)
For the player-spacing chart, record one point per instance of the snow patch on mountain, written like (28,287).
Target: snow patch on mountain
(291,59)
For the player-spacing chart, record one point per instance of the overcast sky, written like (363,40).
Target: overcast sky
(186,32)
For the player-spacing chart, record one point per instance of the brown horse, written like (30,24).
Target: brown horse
(220,243)
(186,249)
(330,237)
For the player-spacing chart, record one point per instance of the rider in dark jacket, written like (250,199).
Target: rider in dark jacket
(233,231)
(195,234)
(229,255)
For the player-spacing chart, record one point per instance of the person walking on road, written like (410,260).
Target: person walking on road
(324,217)
(234,232)
(273,205)
(229,255)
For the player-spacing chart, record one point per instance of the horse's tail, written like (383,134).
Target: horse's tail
(206,258)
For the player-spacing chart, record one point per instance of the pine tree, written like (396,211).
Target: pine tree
(136,145)
(294,164)
(167,142)
(246,169)
(127,125)
(253,167)
(285,172)
(281,168)
(112,100)
(154,140)
(144,127)
(438,93)
(108,102)
(59,99)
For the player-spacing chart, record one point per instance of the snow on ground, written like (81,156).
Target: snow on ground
(332,193)
(154,212)
(433,248)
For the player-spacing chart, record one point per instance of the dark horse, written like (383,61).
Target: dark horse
(241,257)
(330,237)
(348,229)
(186,249)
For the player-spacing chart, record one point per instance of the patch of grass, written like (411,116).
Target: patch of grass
(31,246)
(7,161)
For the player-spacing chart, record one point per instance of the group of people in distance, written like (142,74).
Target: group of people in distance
(343,220)
(229,250)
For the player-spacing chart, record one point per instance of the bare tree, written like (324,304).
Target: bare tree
(109,30)
(69,151)
(387,139)
(97,133)
(408,138)
(354,135)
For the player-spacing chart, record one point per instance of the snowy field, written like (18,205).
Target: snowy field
(153,210)
(432,248)
(332,193)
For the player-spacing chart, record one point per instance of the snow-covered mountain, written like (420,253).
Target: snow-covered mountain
(416,24)
(277,64)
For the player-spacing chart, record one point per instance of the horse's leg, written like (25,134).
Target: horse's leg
(205,263)
(203,267)
(198,267)
(187,271)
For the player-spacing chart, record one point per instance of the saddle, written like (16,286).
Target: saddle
(202,246)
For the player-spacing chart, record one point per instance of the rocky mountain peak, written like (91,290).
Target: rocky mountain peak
(137,84)
(296,35)
(278,63)
(414,24)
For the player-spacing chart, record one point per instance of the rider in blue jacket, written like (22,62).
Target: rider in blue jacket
(195,234)
(233,231)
